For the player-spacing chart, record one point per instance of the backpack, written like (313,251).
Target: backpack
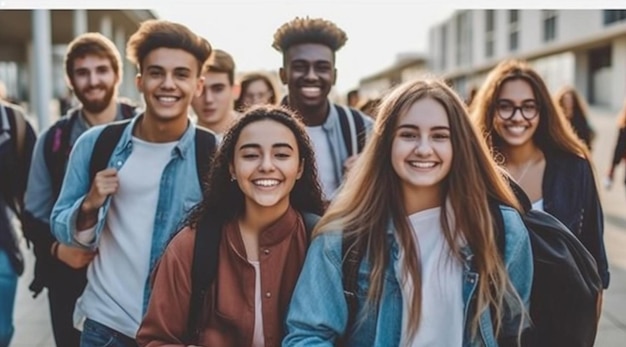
(204,267)
(566,284)
(57,145)
(205,144)
(352,130)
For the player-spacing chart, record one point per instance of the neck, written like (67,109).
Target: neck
(221,126)
(150,129)
(313,116)
(520,155)
(106,116)
(257,219)
(422,199)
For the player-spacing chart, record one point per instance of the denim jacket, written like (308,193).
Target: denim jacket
(318,310)
(179,191)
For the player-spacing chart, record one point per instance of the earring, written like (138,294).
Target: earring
(232,179)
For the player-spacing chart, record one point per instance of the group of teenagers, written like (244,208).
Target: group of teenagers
(414,202)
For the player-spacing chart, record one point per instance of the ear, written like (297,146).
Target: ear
(138,84)
(300,169)
(231,170)
(199,86)
(283,75)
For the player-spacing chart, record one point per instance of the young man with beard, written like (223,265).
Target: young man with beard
(338,133)
(93,70)
(129,211)
(215,106)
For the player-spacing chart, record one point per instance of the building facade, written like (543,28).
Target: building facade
(583,48)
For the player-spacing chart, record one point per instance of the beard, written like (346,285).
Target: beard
(97,105)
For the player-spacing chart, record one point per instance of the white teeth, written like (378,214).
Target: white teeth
(311,91)
(167,98)
(266,183)
(422,165)
(516,129)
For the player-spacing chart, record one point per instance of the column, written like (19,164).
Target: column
(42,48)
(80,22)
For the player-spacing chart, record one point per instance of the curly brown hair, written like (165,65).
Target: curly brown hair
(153,34)
(309,30)
(224,200)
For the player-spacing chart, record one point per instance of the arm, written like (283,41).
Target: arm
(592,231)
(619,151)
(76,185)
(318,311)
(165,321)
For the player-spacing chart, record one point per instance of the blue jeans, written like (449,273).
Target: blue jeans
(97,335)
(8,287)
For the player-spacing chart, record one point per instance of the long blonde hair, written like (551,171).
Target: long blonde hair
(553,131)
(372,197)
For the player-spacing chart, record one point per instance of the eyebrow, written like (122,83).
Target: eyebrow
(415,127)
(256,145)
(158,67)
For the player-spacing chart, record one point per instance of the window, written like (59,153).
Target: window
(513,30)
(549,25)
(489,33)
(612,16)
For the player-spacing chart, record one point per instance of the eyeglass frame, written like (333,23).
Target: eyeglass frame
(516,108)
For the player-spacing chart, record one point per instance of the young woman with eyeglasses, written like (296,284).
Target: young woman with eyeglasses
(530,137)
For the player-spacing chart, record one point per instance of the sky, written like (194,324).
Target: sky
(376,32)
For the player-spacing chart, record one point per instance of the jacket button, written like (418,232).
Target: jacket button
(266,251)
(268,295)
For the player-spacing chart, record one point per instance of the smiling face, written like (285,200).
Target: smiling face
(257,93)
(215,104)
(309,73)
(421,151)
(266,164)
(169,80)
(94,82)
(517,103)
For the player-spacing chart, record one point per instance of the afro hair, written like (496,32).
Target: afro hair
(309,30)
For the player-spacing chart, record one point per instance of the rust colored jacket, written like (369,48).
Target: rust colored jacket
(228,314)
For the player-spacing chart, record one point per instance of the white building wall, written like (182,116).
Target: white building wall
(619,73)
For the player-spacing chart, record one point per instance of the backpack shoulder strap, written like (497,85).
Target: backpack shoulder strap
(57,148)
(19,130)
(206,144)
(203,272)
(105,144)
(346,132)
(352,250)
(360,129)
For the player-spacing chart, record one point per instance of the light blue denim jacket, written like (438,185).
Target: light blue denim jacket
(318,311)
(179,190)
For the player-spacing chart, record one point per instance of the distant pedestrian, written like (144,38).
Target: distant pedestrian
(576,111)
(619,152)
(256,89)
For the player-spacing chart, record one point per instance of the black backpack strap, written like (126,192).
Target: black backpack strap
(359,124)
(352,250)
(203,272)
(205,148)
(105,144)
(57,148)
(345,129)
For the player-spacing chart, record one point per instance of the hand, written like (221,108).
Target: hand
(74,257)
(349,163)
(104,184)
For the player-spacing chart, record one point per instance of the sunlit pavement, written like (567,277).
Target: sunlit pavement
(32,322)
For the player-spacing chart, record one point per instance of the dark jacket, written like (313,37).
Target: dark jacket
(13,174)
(620,148)
(570,194)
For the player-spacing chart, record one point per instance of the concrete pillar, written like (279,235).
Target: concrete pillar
(618,73)
(80,22)
(581,73)
(106,27)
(42,72)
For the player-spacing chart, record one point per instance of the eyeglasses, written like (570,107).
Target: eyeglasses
(506,109)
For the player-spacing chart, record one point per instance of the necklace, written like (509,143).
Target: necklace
(519,179)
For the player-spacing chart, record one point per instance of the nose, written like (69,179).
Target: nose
(208,96)
(267,165)
(423,146)
(168,82)
(310,74)
(92,79)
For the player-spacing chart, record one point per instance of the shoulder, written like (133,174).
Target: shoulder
(515,228)
(328,242)
(183,242)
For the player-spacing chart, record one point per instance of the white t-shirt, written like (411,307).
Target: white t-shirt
(538,205)
(117,275)
(324,160)
(442,287)
(258,338)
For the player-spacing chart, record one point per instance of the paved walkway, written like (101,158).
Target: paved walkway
(32,317)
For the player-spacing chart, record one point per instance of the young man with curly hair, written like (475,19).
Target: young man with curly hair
(308,46)
(129,211)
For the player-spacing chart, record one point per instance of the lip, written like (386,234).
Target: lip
(420,165)
(167,100)
(310,92)
(266,183)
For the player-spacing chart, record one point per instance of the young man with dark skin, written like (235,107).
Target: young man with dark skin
(215,106)
(93,70)
(308,47)
(130,209)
